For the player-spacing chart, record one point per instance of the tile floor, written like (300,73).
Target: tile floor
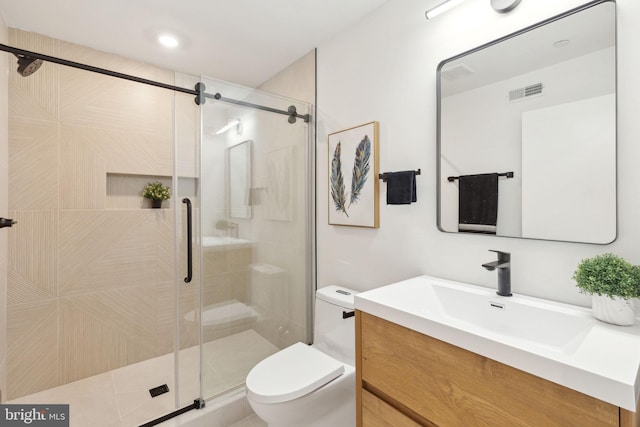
(250,421)
(121,398)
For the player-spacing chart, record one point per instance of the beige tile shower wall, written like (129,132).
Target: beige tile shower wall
(225,278)
(90,281)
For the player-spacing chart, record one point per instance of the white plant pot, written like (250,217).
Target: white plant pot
(616,310)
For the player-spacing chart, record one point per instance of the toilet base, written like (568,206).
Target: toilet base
(345,416)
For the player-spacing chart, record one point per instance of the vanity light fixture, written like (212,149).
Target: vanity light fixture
(442,7)
(233,123)
(500,6)
(504,6)
(167,40)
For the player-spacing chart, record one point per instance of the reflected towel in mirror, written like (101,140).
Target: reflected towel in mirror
(478,203)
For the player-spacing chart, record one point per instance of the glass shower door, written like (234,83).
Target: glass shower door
(256,233)
(186,184)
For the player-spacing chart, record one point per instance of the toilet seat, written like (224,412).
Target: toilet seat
(291,373)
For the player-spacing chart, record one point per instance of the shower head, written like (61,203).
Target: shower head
(27,65)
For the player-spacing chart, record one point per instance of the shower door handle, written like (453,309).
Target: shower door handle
(189,241)
(6,222)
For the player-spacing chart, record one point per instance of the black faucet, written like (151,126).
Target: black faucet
(503,264)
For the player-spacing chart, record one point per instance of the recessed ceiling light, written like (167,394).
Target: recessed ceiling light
(167,40)
(561,43)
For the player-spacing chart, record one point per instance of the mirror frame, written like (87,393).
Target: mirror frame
(444,62)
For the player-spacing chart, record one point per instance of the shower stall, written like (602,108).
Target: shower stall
(137,311)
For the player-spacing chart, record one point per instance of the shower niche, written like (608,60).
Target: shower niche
(124,190)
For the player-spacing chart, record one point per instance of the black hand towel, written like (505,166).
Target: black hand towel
(478,203)
(401,187)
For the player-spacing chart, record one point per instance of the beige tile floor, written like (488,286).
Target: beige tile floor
(121,398)
(250,421)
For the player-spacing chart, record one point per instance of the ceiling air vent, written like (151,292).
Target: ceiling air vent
(525,92)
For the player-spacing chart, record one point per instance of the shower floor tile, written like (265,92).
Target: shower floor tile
(227,361)
(121,398)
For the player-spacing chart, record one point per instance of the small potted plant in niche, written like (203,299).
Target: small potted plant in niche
(612,282)
(157,192)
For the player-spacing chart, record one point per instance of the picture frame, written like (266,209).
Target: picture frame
(353,176)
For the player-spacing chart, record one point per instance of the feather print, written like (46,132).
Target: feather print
(337,182)
(360,168)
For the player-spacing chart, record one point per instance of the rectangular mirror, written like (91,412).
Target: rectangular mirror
(239,180)
(527,132)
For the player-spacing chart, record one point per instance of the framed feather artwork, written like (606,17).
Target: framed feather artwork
(353,176)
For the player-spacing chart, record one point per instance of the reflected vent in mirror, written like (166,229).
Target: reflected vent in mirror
(525,92)
(456,72)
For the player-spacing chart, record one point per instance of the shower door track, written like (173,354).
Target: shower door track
(198,91)
(197,404)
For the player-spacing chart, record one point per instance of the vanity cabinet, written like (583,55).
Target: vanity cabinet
(405,378)
(378,413)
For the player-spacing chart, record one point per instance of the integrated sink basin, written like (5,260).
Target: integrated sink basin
(554,326)
(559,342)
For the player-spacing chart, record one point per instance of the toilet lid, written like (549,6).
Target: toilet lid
(291,373)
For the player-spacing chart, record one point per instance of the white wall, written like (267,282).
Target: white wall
(4,193)
(385,69)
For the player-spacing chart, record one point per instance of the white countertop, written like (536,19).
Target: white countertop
(602,362)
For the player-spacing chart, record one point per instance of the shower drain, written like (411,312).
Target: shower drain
(157,391)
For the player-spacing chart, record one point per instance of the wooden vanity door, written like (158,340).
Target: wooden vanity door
(435,383)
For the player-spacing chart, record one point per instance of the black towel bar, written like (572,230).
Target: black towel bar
(507,174)
(383,176)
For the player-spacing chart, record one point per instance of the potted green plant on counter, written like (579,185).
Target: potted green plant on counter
(613,283)
(156,192)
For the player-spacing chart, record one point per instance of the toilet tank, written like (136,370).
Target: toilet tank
(334,327)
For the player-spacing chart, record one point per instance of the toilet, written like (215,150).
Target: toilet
(311,385)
